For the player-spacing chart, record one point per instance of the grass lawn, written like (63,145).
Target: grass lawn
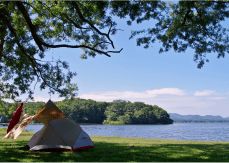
(116,149)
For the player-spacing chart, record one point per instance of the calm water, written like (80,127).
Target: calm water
(176,131)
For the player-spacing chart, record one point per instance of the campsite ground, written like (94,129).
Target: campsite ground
(116,149)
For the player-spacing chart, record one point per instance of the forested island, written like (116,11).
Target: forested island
(90,111)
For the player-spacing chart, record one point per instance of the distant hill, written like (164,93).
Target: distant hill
(176,116)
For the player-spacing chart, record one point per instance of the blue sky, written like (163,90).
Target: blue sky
(170,80)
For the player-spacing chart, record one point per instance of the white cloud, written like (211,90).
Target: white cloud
(217,98)
(204,93)
(173,100)
(168,91)
(112,95)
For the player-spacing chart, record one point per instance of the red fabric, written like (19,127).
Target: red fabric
(82,148)
(64,149)
(16,118)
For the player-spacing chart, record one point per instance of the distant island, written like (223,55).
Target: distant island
(197,118)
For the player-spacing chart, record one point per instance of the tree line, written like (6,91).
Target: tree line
(90,111)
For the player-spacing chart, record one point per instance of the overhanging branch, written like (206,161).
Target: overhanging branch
(80,46)
(2,38)
(70,20)
(40,42)
(85,20)
(29,23)
(76,25)
(186,16)
(19,45)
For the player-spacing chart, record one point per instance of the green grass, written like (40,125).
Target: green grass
(116,149)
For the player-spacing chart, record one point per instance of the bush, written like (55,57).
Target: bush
(106,122)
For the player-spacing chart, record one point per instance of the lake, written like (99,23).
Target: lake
(178,131)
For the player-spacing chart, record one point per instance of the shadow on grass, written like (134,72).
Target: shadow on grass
(115,152)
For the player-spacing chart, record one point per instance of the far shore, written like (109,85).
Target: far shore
(175,121)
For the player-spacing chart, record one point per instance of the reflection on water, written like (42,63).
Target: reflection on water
(177,131)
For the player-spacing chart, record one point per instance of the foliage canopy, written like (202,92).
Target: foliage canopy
(30,28)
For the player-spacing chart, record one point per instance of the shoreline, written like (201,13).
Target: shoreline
(6,124)
(149,139)
(175,121)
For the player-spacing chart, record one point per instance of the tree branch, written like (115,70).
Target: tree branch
(100,43)
(109,32)
(70,20)
(40,43)
(114,51)
(41,75)
(29,23)
(3,15)
(19,45)
(2,37)
(9,60)
(77,26)
(186,15)
(32,7)
(84,20)
(77,46)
